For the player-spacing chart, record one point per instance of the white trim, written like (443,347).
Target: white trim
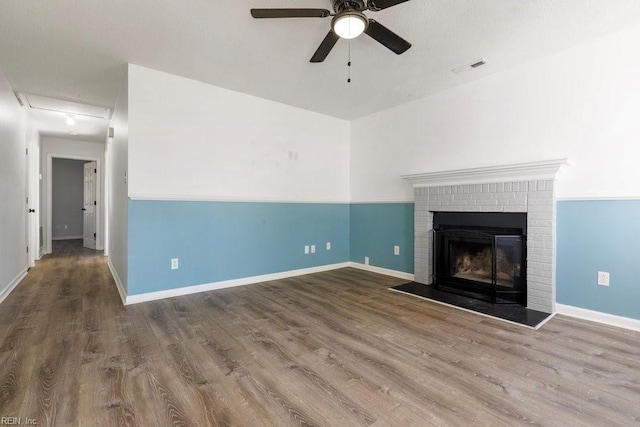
(597,316)
(382,202)
(529,171)
(12,285)
(152,296)
(212,198)
(384,271)
(67,238)
(541,324)
(475,312)
(119,285)
(596,197)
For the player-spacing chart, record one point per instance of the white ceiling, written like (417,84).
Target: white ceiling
(77,50)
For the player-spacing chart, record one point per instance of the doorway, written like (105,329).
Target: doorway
(73,204)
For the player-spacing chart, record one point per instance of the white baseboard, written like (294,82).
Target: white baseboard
(12,285)
(152,296)
(68,238)
(385,271)
(597,316)
(119,285)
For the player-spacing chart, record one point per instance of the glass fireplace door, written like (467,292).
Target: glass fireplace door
(509,266)
(481,265)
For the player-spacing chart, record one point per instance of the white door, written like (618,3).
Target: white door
(89,207)
(30,212)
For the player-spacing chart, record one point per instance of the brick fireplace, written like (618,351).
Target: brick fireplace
(521,188)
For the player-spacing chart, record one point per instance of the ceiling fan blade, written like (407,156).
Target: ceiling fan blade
(386,37)
(325,47)
(377,5)
(290,13)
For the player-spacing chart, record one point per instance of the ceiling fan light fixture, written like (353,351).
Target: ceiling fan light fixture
(349,24)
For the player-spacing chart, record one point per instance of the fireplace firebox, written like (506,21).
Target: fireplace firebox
(481,255)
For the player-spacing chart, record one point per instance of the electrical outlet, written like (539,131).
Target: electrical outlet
(328,246)
(366,260)
(603,278)
(396,250)
(306,249)
(174,263)
(313,249)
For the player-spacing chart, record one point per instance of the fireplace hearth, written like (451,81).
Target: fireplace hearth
(481,255)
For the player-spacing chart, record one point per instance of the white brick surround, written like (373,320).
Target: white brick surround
(447,192)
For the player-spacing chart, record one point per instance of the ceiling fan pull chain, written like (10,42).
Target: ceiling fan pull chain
(349,64)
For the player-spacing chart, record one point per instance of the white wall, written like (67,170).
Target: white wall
(117,167)
(191,140)
(62,148)
(13,255)
(67,199)
(582,103)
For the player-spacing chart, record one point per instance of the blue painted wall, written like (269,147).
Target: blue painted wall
(375,228)
(597,236)
(218,241)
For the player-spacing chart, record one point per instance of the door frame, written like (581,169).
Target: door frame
(49,199)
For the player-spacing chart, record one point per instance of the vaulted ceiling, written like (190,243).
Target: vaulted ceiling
(77,50)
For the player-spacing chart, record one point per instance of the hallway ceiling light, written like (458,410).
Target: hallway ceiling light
(67,107)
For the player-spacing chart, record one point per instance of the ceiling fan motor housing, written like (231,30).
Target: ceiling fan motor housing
(342,5)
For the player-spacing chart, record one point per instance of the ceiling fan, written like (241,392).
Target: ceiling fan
(348,22)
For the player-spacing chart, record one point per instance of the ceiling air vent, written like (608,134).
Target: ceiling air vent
(467,67)
(67,107)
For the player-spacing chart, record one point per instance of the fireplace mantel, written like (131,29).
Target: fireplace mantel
(531,171)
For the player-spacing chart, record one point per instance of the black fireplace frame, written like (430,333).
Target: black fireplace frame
(483,228)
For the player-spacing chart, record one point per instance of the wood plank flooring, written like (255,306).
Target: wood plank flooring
(333,348)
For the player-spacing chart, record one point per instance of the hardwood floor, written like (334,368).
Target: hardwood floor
(72,247)
(333,348)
